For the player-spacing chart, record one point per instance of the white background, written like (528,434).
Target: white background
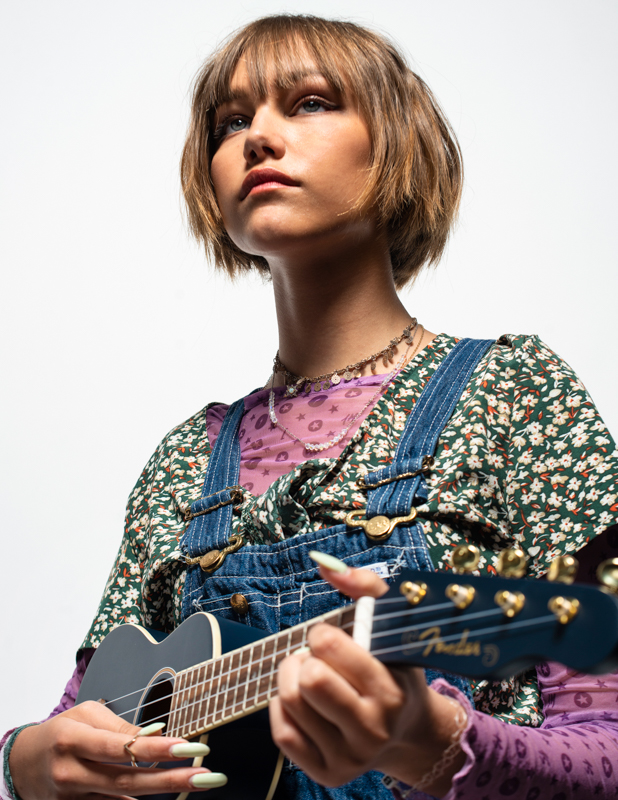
(113,327)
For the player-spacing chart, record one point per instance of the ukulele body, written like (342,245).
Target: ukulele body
(130,658)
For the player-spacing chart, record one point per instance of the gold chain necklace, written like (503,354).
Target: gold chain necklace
(296,383)
(318,447)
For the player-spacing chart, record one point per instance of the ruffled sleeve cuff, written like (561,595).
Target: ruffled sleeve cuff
(7,790)
(402,791)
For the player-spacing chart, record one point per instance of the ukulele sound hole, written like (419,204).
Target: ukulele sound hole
(155,704)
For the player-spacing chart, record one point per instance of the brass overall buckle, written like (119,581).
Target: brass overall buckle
(379,528)
(211,561)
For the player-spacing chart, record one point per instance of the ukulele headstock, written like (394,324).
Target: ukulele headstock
(492,627)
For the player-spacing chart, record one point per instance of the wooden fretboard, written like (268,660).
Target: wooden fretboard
(239,682)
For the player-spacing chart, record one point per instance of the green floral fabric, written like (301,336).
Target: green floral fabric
(524,459)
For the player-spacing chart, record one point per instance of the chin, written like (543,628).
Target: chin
(278,236)
(272,237)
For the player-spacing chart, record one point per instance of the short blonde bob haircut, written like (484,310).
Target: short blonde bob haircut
(415,174)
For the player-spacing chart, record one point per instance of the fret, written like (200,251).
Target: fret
(234,681)
(189,724)
(183,699)
(346,618)
(271,677)
(222,688)
(256,674)
(172,722)
(201,682)
(212,700)
(299,636)
(241,685)
(267,665)
(207,691)
(248,677)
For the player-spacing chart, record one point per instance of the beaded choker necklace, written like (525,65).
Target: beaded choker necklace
(295,384)
(318,447)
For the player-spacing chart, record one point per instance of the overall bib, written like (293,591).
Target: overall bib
(281,583)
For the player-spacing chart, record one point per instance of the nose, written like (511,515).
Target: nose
(264,139)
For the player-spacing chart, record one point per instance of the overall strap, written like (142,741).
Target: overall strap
(392,489)
(211,528)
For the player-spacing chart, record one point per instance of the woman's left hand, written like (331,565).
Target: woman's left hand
(340,712)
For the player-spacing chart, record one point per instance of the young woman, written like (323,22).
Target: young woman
(316,156)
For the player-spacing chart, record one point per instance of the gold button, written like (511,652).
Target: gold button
(209,562)
(239,604)
(377,527)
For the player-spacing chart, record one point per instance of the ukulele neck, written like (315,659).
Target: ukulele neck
(243,681)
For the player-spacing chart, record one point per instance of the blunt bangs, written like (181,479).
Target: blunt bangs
(415,173)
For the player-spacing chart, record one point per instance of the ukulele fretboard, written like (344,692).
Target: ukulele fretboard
(240,682)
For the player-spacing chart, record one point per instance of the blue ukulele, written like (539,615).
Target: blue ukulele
(211,679)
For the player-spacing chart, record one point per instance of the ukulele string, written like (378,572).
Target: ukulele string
(549,619)
(445,621)
(405,648)
(287,650)
(345,627)
(410,611)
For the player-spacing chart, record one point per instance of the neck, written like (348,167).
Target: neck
(336,308)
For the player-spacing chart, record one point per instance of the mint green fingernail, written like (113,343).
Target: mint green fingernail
(330,562)
(208,780)
(189,750)
(301,650)
(154,727)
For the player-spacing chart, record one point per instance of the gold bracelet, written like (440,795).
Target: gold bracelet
(448,756)
(439,768)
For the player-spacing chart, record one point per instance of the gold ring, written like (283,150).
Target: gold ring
(127,747)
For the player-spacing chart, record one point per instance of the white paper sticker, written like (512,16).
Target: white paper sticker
(380,569)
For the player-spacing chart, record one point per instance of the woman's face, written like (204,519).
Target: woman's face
(289,167)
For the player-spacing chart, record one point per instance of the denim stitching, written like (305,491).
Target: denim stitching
(423,427)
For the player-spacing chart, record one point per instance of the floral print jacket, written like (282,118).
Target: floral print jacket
(525,458)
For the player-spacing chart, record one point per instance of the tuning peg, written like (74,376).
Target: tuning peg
(607,573)
(413,592)
(512,563)
(563,569)
(465,558)
(461,596)
(565,608)
(510,602)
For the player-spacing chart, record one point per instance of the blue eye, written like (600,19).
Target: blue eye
(230,125)
(236,124)
(310,106)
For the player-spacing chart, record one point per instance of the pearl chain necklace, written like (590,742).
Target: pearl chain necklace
(318,447)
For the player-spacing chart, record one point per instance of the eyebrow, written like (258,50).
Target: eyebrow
(285,81)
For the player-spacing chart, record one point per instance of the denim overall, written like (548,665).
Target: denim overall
(281,583)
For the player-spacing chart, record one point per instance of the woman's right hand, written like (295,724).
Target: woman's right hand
(81,752)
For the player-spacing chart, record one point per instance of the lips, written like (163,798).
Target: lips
(258,177)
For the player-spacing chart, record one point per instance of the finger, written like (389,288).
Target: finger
(293,741)
(354,583)
(342,722)
(99,715)
(98,745)
(323,732)
(368,676)
(120,781)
